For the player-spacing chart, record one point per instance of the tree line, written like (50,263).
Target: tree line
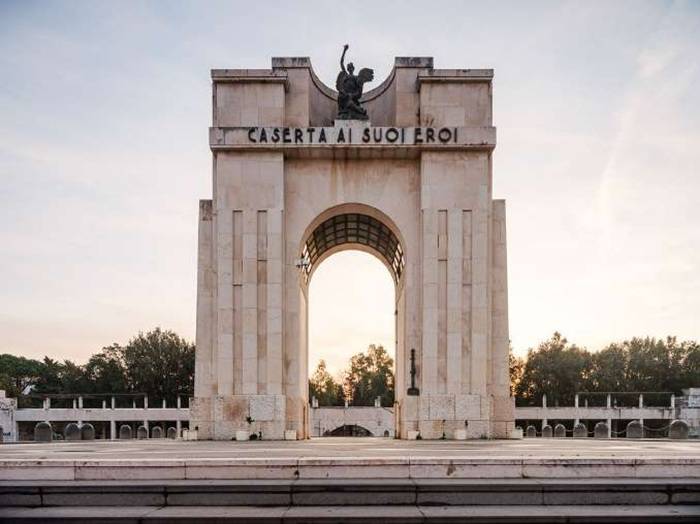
(560,369)
(369,375)
(158,363)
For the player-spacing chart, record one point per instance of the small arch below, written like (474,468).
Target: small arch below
(349,430)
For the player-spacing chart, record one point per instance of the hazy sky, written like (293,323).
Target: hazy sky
(104,109)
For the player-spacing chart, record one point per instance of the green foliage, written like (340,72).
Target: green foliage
(559,369)
(370,375)
(158,363)
(556,369)
(17,373)
(323,386)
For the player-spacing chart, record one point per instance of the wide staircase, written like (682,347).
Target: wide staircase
(353,500)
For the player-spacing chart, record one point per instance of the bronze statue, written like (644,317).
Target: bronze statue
(349,89)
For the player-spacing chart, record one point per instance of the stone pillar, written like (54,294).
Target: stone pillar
(145,402)
(179,402)
(609,424)
(112,427)
(164,404)
(113,402)
(80,402)
(178,428)
(104,404)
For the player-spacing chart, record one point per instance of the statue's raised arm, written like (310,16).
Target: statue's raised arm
(342,58)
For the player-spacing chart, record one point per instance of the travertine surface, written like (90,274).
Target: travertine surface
(422,166)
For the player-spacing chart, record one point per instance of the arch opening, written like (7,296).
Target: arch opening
(360,230)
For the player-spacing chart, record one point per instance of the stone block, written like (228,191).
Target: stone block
(531,432)
(87,432)
(124,432)
(467,407)
(71,431)
(634,430)
(157,432)
(601,430)
(442,407)
(262,407)
(172,433)
(142,432)
(580,430)
(560,431)
(678,429)
(43,432)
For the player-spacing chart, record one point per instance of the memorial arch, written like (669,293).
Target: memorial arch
(411,185)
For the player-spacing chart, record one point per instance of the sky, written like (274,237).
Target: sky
(104,110)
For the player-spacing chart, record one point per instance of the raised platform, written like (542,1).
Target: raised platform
(342,458)
(352,480)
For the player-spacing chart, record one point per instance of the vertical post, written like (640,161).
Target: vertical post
(178,427)
(609,428)
(576,400)
(74,404)
(113,403)
(164,404)
(641,400)
(544,400)
(609,403)
(673,401)
(104,404)
(576,420)
(145,402)
(133,403)
(80,402)
(179,402)
(112,427)
(46,403)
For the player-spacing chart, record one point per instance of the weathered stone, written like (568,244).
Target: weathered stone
(142,432)
(284,171)
(531,432)
(678,429)
(87,432)
(172,433)
(634,430)
(547,431)
(157,432)
(560,431)
(71,431)
(601,430)
(580,430)
(43,432)
(124,431)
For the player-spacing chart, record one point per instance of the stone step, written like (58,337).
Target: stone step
(354,514)
(352,492)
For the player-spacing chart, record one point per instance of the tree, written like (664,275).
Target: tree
(556,369)
(160,364)
(323,386)
(105,371)
(18,373)
(370,375)
(516,366)
(610,369)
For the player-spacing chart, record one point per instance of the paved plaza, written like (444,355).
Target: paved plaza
(352,448)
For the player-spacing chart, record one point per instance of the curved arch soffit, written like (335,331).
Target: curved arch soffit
(353,230)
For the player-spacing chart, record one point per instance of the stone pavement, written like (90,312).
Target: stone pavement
(350,458)
(348,448)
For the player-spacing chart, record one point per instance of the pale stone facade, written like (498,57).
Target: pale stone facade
(412,186)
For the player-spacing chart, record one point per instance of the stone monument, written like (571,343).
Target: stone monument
(402,171)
